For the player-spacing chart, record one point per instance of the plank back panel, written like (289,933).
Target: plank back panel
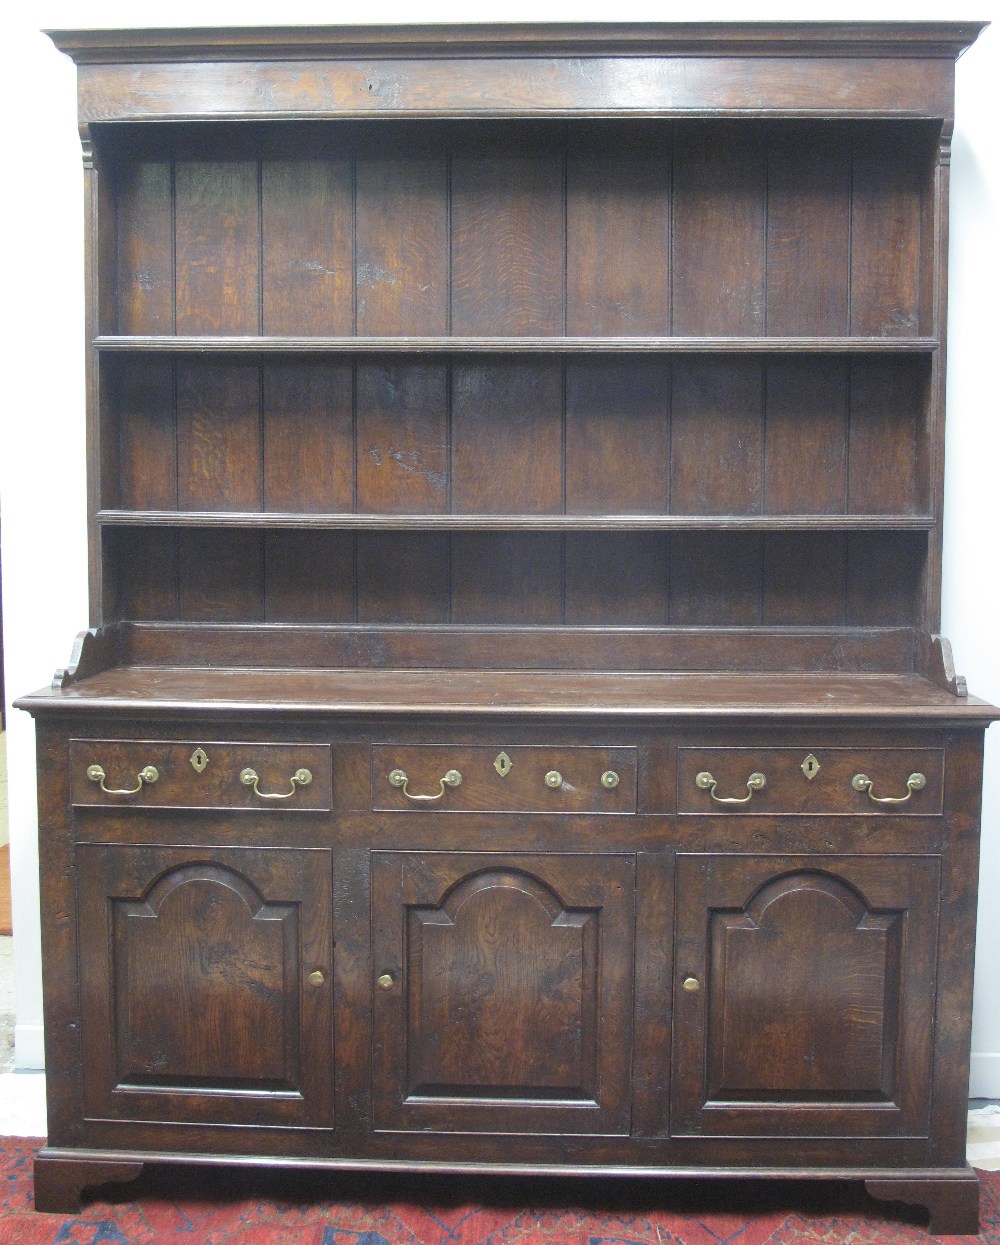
(308,247)
(618,230)
(508,237)
(805,440)
(719,206)
(716,437)
(403,437)
(308,436)
(401,268)
(217,247)
(617,436)
(220,575)
(808,230)
(147,436)
(507,441)
(146,247)
(218,437)
(508,577)
(309,577)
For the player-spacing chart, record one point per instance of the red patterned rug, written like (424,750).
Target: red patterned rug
(190,1206)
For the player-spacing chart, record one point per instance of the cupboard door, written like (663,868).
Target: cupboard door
(503,993)
(804,995)
(201,995)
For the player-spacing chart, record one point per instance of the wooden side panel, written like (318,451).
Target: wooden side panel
(508,239)
(308,436)
(718,230)
(309,577)
(617,436)
(886,213)
(402,429)
(507,449)
(220,575)
(403,577)
(886,413)
(808,230)
(218,437)
(805,439)
(308,247)
(147,475)
(146,248)
(618,230)
(217,247)
(507,577)
(716,432)
(402,240)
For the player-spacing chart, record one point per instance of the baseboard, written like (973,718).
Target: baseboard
(29,1047)
(984,1081)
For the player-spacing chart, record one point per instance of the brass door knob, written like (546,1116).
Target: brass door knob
(316,978)
(386,981)
(691,984)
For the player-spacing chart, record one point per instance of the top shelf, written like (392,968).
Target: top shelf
(515,345)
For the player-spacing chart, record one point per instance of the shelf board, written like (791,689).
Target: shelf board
(517,345)
(269,520)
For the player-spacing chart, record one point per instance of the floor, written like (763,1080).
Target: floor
(22,1094)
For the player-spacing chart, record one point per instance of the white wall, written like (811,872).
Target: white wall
(42,424)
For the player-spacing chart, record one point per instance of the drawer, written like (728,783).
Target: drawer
(197,774)
(526,779)
(808,781)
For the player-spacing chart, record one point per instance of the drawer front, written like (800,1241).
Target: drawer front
(527,779)
(199,774)
(803,781)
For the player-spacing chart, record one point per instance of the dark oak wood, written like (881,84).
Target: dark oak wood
(510,426)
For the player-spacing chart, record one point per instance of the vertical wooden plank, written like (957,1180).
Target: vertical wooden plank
(308,436)
(617,579)
(506,577)
(308,577)
(147,562)
(402,437)
(220,575)
(618,230)
(617,436)
(402,240)
(308,247)
(886,213)
(808,230)
(218,436)
(804,579)
(805,441)
(145,248)
(403,577)
(885,416)
(508,238)
(883,572)
(716,432)
(507,437)
(144,396)
(718,230)
(716,579)
(217,223)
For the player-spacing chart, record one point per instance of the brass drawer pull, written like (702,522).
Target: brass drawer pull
(249,778)
(915,782)
(397,778)
(705,782)
(609,780)
(553,779)
(149,774)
